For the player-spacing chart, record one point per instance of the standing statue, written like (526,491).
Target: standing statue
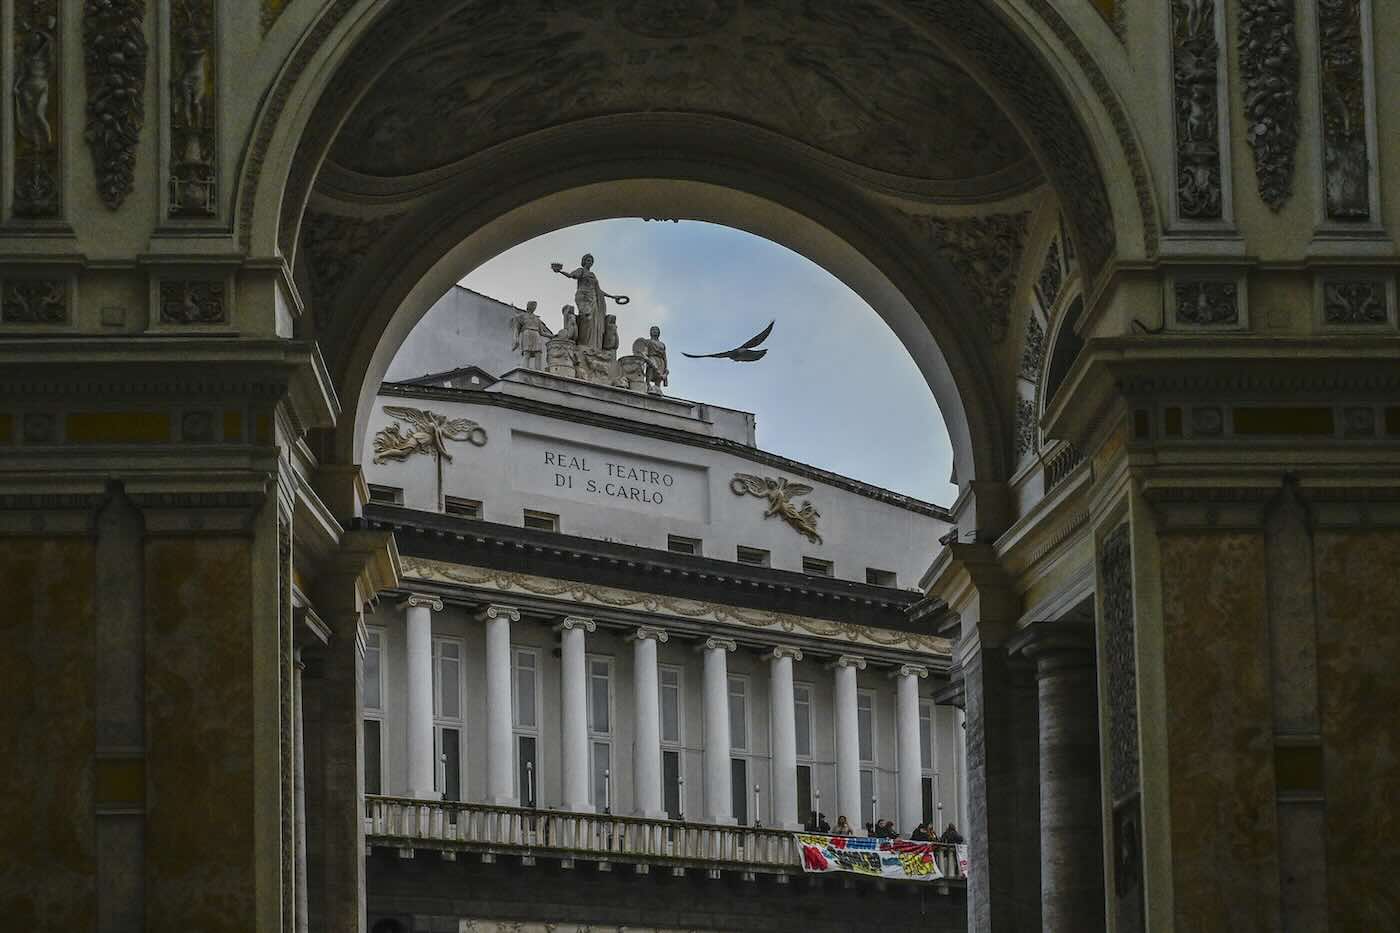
(32,80)
(653,351)
(529,336)
(591,302)
(610,340)
(569,331)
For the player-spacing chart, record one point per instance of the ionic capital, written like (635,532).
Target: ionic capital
(422,601)
(573,622)
(498,611)
(717,644)
(786,651)
(910,670)
(649,632)
(848,660)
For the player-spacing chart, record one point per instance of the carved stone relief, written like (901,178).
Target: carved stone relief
(1207,303)
(1033,353)
(779,492)
(335,243)
(1120,659)
(38,103)
(1027,428)
(1355,302)
(1269,67)
(194,301)
(1195,82)
(986,253)
(34,301)
(1346,152)
(193,109)
(1051,277)
(428,433)
(115,58)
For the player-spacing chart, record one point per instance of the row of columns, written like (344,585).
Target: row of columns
(647,776)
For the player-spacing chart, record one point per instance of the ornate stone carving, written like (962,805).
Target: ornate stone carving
(1345,143)
(428,433)
(779,492)
(1052,276)
(115,58)
(1033,353)
(1359,422)
(419,600)
(986,253)
(1195,77)
(194,301)
(1207,422)
(678,19)
(34,301)
(1120,660)
(335,243)
(1269,66)
(38,108)
(1027,428)
(193,109)
(529,334)
(1207,303)
(1355,302)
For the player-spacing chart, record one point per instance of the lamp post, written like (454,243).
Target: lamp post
(530,784)
(607,790)
(680,803)
(756,821)
(818,826)
(938,795)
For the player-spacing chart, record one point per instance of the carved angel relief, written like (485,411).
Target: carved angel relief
(428,433)
(779,493)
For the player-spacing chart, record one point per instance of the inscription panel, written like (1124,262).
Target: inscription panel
(608,476)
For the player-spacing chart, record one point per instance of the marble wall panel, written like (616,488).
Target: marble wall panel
(200,725)
(1220,732)
(48,869)
(1358,596)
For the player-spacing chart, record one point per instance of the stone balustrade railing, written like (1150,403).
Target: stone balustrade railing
(449,825)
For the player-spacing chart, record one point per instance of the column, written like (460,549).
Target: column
(848,797)
(911,766)
(646,752)
(418,631)
(574,677)
(1071,828)
(500,783)
(784,718)
(299,794)
(719,794)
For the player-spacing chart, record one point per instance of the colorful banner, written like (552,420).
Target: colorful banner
(878,858)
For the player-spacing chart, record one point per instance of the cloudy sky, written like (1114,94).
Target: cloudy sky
(837,389)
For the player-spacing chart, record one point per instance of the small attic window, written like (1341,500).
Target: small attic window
(816,567)
(876,577)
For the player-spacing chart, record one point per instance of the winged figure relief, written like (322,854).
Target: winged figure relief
(424,432)
(779,493)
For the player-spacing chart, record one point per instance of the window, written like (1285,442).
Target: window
(738,714)
(524,687)
(672,783)
(541,521)
(527,776)
(678,545)
(739,788)
(753,556)
(372,699)
(600,696)
(865,724)
(601,776)
(876,577)
(816,567)
(447,717)
(671,711)
(462,508)
(926,735)
(389,495)
(868,799)
(374,757)
(372,687)
(805,807)
(802,714)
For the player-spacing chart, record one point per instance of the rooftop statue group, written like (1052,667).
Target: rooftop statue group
(585,346)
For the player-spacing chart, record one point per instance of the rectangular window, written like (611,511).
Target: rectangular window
(462,508)
(374,758)
(926,735)
(816,567)
(805,809)
(524,685)
(671,784)
(527,770)
(876,577)
(600,696)
(753,556)
(865,724)
(372,686)
(738,714)
(678,545)
(388,495)
(448,745)
(601,777)
(671,711)
(868,799)
(447,679)
(739,788)
(927,791)
(541,521)
(802,712)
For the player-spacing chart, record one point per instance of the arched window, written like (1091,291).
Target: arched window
(1063,351)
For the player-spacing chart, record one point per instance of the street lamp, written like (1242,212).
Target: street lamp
(938,795)
(757,823)
(607,790)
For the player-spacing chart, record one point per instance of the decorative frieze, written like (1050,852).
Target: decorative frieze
(1027,428)
(115,57)
(1345,135)
(34,301)
(1355,301)
(1033,353)
(986,253)
(1196,105)
(194,301)
(1120,661)
(1269,67)
(193,109)
(1208,303)
(38,108)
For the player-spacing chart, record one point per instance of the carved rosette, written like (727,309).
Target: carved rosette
(194,301)
(34,301)
(1196,105)
(38,110)
(1269,66)
(115,58)
(1346,149)
(1207,303)
(1354,302)
(986,253)
(193,109)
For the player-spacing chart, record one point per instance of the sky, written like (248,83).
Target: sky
(837,389)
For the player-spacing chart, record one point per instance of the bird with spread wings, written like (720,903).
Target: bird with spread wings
(744,353)
(779,493)
(428,433)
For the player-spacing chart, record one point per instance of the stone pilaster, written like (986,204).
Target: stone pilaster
(646,698)
(784,794)
(574,690)
(500,777)
(418,632)
(719,797)
(848,802)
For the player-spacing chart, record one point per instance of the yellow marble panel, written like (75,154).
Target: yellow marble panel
(117,427)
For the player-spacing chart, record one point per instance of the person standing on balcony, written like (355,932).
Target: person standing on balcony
(843,827)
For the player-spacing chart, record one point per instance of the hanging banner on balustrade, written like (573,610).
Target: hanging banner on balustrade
(878,858)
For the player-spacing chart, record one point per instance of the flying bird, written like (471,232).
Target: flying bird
(746,352)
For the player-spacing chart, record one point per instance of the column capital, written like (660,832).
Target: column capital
(644,632)
(1055,645)
(422,601)
(714,643)
(910,670)
(498,611)
(573,622)
(848,660)
(785,651)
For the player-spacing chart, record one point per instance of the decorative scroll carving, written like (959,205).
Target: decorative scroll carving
(986,253)
(334,244)
(115,56)
(34,301)
(1033,354)
(1027,427)
(1052,276)
(271,10)
(1346,151)
(428,433)
(193,302)
(1195,77)
(38,103)
(1120,654)
(779,493)
(1355,302)
(1269,66)
(193,110)
(1207,303)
